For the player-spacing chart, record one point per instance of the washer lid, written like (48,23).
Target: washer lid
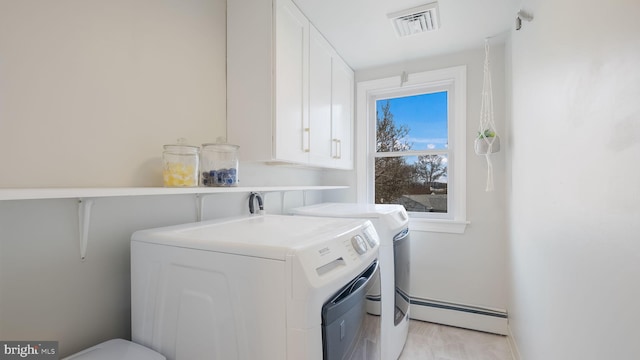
(117,349)
(267,236)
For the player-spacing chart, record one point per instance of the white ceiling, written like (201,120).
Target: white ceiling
(363,35)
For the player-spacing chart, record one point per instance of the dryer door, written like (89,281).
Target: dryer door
(344,319)
(401,254)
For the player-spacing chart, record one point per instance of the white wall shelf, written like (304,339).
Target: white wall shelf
(68,193)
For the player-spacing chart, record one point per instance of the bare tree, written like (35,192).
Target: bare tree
(430,168)
(390,137)
(392,174)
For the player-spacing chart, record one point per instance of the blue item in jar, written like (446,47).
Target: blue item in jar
(220,177)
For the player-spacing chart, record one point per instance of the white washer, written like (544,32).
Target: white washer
(391,298)
(251,287)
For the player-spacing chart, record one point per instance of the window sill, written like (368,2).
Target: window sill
(436,225)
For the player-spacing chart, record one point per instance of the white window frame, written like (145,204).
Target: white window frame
(453,80)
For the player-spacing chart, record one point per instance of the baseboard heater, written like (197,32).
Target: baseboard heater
(458,307)
(448,313)
(461,315)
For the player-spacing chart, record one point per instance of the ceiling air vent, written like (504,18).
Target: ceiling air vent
(415,20)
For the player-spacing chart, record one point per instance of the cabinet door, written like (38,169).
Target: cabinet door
(342,114)
(291,123)
(320,79)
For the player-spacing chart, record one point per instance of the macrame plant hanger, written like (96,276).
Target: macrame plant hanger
(487,140)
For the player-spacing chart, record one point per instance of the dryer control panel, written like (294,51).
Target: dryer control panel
(335,257)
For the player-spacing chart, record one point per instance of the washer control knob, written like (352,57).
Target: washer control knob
(359,244)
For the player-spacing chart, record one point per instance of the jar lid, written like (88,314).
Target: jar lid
(181,149)
(220,146)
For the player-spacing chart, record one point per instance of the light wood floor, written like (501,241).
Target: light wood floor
(428,341)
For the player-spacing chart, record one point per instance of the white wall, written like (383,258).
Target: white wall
(575,140)
(464,268)
(91,90)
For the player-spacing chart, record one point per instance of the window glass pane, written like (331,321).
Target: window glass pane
(420,122)
(420,183)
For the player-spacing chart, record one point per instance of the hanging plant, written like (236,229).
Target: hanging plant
(487,142)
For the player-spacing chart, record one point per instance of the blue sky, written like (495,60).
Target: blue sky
(426,117)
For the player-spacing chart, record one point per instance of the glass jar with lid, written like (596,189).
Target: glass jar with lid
(219,164)
(180,165)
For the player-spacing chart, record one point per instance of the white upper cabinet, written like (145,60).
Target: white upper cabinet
(291,84)
(342,90)
(288,99)
(331,105)
(320,80)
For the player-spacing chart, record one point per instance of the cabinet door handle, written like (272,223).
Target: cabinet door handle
(306,140)
(338,152)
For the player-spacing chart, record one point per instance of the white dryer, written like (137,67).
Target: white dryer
(260,287)
(390,295)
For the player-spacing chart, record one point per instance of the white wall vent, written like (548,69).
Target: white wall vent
(415,20)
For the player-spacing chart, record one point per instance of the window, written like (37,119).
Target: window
(415,141)
(411,154)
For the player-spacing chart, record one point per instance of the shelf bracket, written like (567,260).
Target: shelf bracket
(200,206)
(84,219)
(282,196)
